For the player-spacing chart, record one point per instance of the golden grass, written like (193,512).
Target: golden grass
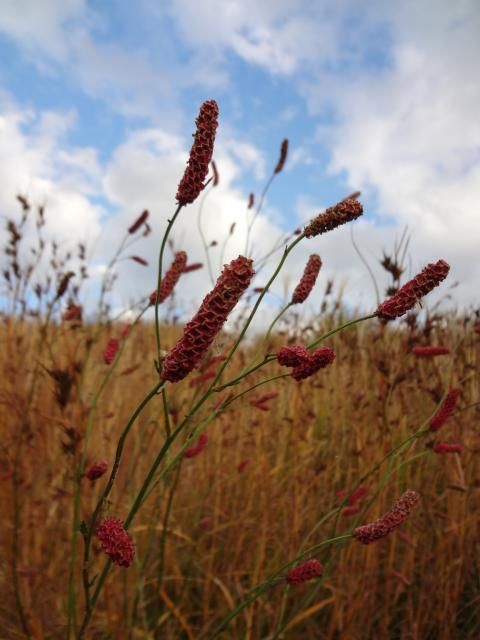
(228,529)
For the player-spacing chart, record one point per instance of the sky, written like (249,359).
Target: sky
(97,108)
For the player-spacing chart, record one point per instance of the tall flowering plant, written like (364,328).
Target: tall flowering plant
(191,350)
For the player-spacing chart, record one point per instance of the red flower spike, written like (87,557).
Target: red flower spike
(192,452)
(307,282)
(382,527)
(446,447)
(341,213)
(142,218)
(413,291)
(351,510)
(200,332)
(200,154)
(242,465)
(204,377)
(73,313)
(430,352)
(304,572)
(268,396)
(116,541)
(171,278)
(445,410)
(357,494)
(96,470)
(292,356)
(317,360)
(251,200)
(111,350)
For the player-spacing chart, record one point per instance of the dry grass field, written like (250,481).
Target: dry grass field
(265,487)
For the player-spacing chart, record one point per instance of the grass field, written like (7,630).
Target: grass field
(264,488)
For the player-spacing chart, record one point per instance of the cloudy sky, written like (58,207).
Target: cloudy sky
(98,102)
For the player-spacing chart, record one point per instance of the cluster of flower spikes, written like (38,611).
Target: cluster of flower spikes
(96,470)
(304,572)
(191,452)
(171,278)
(333,217)
(368,533)
(307,281)
(201,152)
(445,410)
(305,363)
(111,350)
(200,332)
(116,541)
(430,351)
(408,295)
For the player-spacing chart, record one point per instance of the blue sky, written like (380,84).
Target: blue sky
(98,101)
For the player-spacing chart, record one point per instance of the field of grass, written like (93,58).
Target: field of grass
(263,489)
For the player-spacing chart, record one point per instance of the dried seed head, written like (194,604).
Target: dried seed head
(142,218)
(192,182)
(307,282)
(283,156)
(251,201)
(341,213)
(430,352)
(216,177)
(408,295)
(318,359)
(200,332)
(304,572)
(171,278)
(445,410)
(63,284)
(400,511)
(116,541)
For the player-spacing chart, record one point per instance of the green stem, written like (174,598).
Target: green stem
(350,323)
(159,281)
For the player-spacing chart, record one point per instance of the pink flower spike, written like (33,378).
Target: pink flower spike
(382,527)
(111,350)
(430,352)
(116,541)
(304,572)
(445,410)
(317,360)
(292,356)
(413,291)
(201,152)
(446,447)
